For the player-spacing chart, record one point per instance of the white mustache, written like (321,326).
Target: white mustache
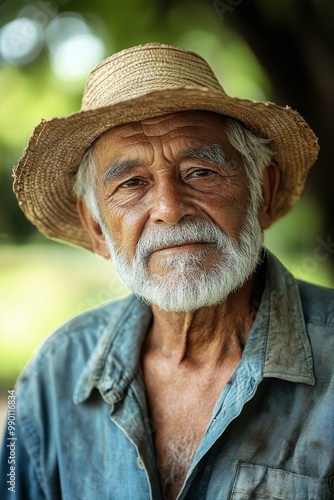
(195,231)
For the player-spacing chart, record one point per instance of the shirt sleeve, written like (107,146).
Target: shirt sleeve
(18,475)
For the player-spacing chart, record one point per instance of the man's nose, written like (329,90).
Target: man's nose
(171,203)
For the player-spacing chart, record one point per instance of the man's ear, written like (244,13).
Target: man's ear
(270,184)
(93,228)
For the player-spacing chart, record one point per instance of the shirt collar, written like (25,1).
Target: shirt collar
(279,332)
(114,362)
(288,353)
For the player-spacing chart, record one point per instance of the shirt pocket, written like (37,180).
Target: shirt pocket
(263,483)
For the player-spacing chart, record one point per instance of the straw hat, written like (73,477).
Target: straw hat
(134,84)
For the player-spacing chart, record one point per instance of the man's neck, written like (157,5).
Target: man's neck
(208,335)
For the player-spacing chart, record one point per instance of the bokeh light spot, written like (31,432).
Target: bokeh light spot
(21,41)
(74,49)
(76,56)
(63,27)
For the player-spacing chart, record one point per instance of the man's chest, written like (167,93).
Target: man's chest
(180,410)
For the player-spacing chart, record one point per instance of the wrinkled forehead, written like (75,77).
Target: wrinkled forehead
(194,128)
(167,121)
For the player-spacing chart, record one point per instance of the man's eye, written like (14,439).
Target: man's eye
(131,183)
(202,172)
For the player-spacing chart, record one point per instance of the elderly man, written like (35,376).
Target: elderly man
(214,379)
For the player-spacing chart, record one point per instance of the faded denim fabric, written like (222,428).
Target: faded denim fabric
(83,430)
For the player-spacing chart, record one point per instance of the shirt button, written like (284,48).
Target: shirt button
(140,463)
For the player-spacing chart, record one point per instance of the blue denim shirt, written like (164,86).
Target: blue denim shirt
(82,427)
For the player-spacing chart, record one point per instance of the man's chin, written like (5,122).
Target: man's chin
(180,293)
(173,305)
(168,277)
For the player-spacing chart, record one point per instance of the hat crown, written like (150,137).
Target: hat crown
(136,71)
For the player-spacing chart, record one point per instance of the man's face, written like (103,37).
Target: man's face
(168,189)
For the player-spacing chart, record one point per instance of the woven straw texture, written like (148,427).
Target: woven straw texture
(137,83)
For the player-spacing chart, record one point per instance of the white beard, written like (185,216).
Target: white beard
(187,285)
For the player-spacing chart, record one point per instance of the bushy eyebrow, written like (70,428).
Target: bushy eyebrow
(212,153)
(118,169)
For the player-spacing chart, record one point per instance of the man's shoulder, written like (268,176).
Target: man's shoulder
(318,303)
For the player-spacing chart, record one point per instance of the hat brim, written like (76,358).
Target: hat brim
(44,177)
